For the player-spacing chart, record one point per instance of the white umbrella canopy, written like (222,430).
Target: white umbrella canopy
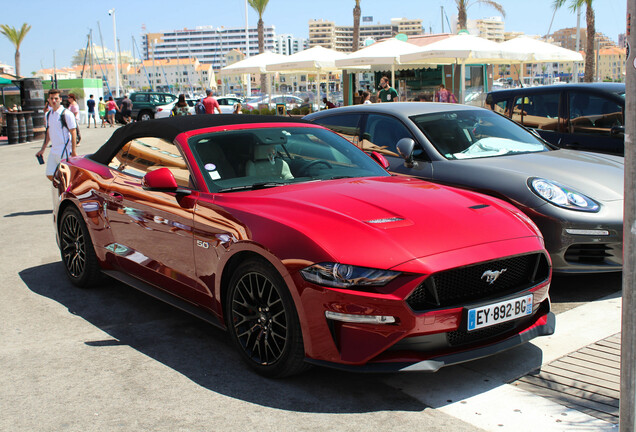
(317,59)
(386,52)
(380,53)
(536,51)
(464,49)
(253,65)
(310,60)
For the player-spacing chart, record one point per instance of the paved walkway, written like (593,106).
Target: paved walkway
(587,380)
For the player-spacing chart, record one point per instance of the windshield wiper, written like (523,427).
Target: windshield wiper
(254,186)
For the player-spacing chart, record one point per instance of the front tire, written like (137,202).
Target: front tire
(76,249)
(262,321)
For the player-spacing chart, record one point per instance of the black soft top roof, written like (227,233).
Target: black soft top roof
(169,128)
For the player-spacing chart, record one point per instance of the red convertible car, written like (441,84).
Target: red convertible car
(302,246)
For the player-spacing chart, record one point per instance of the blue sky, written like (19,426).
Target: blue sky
(62,26)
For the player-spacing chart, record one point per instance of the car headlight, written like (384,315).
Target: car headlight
(562,196)
(338,275)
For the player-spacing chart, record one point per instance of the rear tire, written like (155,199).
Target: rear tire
(262,321)
(145,115)
(76,249)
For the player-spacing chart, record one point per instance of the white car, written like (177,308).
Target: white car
(164,110)
(227,104)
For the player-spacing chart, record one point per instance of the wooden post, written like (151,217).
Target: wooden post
(628,325)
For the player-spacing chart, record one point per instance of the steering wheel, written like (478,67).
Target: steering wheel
(303,171)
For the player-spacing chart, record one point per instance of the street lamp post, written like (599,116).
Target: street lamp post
(111,12)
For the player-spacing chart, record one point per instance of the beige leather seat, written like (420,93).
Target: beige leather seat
(265,164)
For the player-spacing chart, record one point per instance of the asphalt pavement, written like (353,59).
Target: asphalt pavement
(113,359)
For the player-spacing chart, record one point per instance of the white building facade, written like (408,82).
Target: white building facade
(206,44)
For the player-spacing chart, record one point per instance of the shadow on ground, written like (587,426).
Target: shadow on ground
(204,353)
(29,213)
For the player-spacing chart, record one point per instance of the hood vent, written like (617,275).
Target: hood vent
(385,220)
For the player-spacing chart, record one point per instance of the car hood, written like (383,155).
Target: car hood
(380,221)
(596,175)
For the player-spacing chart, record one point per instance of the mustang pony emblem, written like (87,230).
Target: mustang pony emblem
(491,276)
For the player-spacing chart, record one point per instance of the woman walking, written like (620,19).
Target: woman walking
(181,107)
(111,108)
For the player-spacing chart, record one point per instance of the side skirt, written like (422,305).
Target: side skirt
(165,297)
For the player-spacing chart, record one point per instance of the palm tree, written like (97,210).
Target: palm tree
(463,5)
(591,33)
(356,27)
(16,37)
(259,6)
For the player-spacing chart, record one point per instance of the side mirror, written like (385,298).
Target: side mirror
(162,180)
(380,159)
(405,147)
(617,130)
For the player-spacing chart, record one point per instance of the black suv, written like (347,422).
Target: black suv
(575,116)
(145,103)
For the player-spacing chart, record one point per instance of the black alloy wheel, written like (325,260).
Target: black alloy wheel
(262,321)
(77,250)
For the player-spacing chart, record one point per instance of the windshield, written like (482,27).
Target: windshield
(268,157)
(476,134)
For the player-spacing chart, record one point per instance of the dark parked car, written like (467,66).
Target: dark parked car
(145,103)
(575,197)
(574,116)
(301,246)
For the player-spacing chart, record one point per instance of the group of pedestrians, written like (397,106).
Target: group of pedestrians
(107,110)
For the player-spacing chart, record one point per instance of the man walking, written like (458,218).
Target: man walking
(388,93)
(61,131)
(90,103)
(126,109)
(210,103)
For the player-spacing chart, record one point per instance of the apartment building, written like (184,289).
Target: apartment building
(487,28)
(340,38)
(288,44)
(567,39)
(207,44)
(611,64)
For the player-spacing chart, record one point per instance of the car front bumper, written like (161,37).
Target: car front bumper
(580,242)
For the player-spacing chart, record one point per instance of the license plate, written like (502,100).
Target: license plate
(485,316)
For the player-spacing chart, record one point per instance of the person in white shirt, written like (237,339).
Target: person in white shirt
(62,139)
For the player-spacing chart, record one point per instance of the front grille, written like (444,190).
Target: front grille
(462,337)
(456,287)
(588,253)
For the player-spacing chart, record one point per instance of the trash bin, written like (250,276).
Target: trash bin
(13,134)
(32,96)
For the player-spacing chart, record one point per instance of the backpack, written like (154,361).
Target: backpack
(199,108)
(78,136)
